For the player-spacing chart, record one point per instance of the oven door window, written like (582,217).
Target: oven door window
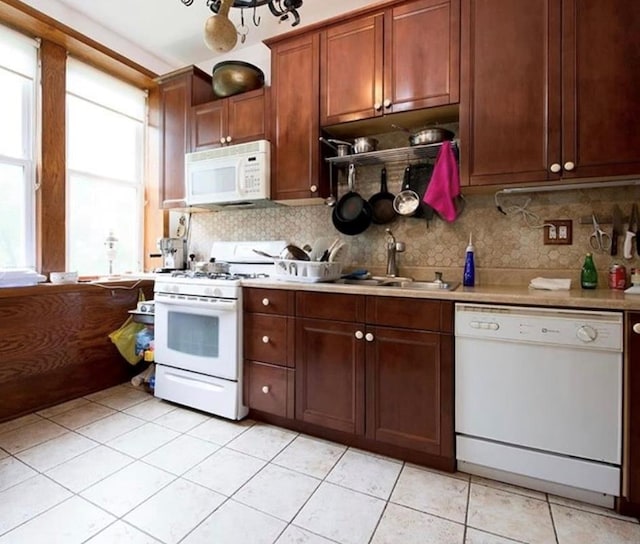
(194,334)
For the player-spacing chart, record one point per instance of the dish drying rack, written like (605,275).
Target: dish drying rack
(398,154)
(306,271)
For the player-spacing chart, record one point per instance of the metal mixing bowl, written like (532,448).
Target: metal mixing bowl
(235,77)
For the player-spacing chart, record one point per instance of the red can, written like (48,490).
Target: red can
(617,276)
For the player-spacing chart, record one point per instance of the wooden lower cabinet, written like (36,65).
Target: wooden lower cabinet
(630,503)
(409,381)
(330,375)
(269,388)
(391,385)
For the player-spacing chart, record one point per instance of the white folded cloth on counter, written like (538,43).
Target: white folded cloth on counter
(550,284)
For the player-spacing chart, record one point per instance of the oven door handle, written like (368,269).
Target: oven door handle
(224,305)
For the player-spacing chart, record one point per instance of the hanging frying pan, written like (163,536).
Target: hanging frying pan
(382,203)
(352,214)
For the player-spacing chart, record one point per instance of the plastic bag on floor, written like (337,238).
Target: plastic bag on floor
(125,337)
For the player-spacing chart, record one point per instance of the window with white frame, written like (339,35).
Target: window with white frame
(105,170)
(18,80)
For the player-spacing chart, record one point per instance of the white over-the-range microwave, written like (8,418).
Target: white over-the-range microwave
(235,175)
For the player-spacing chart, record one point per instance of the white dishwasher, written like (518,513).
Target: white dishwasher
(538,398)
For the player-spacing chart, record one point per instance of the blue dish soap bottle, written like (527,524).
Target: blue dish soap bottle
(469,274)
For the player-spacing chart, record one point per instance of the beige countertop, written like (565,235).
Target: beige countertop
(601,299)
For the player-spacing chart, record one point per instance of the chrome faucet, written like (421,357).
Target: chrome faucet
(393,248)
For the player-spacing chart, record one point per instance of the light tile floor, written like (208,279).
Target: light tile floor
(120,466)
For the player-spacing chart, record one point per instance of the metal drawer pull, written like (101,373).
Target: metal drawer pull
(555,167)
(569,166)
(387,103)
(636,328)
(265,339)
(265,302)
(265,389)
(377,106)
(369,337)
(359,335)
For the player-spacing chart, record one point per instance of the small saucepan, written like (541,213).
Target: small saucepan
(406,201)
(341,148)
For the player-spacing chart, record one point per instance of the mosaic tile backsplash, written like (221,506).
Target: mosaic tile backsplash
(509,248)
(510,243)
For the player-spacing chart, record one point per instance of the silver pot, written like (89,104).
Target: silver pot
(432,135)
(341,148)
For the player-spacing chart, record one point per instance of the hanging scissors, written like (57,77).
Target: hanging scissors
(599,239)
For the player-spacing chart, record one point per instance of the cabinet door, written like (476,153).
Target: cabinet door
(179,91)
(410,389)
(510,104)
(632,415)
(268,338)
(246,117)
(601,86)
(330,375)
(295,73)
(269,388)
(422,55)
(208,125)
(351,64)
(174,134)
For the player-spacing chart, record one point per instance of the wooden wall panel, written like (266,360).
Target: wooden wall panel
(52,169)
(55,345)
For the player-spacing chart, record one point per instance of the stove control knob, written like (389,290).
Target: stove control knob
(586,334)
(265,339)
(265,389)
(265,302)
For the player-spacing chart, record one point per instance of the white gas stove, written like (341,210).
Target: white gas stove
(198,330)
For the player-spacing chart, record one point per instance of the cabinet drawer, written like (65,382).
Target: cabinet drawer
(268,301)
(267,338)
(269,388)
(410,313)
(330,306)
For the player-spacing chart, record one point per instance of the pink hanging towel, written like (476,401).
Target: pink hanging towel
(444,186)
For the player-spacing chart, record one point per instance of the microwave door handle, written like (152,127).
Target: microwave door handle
(242,187)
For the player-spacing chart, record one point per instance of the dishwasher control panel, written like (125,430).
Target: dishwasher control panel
(595,330)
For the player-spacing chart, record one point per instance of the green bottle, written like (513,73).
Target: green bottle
(589,275)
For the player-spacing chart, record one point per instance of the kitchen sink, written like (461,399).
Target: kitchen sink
(400,283)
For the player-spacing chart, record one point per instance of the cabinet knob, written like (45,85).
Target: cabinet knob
(228,139)
(265,339)
(387,103)
(636,328)
(313,188)
(569,166)
(222,140)
(265,302)
(359,335)
(265,389)
(368,337)
(555,167)
(377,106)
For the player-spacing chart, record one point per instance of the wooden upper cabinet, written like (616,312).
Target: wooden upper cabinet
(403,58)
(178,92)
(422,55)
(296,171)
(548,88)
(601,86)
(351,70)
(234,120)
